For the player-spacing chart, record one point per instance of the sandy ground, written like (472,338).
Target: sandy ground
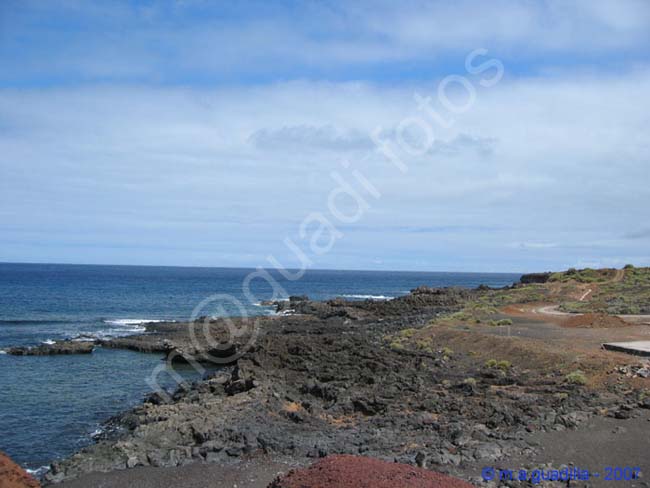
(543,322)
(552,313)
(256,473)
(600,443)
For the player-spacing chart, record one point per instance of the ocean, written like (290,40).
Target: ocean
(52,406)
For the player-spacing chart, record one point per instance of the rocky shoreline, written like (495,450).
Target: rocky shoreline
(327,380)
(347,377)
(55,348)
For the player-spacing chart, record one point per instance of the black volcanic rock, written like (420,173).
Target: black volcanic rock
(531,278)
(420,301)
(60,347)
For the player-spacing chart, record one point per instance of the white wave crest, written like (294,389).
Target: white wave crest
(37,473)
(128,322)
(369,297)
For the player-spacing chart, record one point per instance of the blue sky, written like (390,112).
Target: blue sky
(203,133)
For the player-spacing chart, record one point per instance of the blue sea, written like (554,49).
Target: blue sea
(52,406)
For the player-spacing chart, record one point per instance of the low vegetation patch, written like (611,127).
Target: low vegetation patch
(586,275)
(407,333)
(626,294)
(500,323)
(517,294)
(504,365)
(576,378)
(424,345)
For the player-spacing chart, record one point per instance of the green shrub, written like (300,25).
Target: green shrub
(504,365)
(424,345)
(407,333)
(461,316)
(499,323)
(576,378)
(491,363)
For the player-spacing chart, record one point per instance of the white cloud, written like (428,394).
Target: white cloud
(531,26)
(548,161)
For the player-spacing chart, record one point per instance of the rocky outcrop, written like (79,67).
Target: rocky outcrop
(532,278)
(13,476)
(423,302)
(363,472)
(140,343)
(59,347)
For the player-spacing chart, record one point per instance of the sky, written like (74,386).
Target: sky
(203,133)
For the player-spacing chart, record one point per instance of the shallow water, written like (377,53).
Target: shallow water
(51,405)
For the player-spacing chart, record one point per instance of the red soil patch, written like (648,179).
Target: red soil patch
(343,471)
(595,321)
(13,476)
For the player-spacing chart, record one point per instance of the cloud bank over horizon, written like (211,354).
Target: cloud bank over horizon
(184,133)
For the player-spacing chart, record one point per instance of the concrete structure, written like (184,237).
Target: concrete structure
(638,348)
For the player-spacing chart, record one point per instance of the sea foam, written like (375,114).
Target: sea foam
(369,297)
(128,322)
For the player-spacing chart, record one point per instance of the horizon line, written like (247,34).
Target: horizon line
(268,269)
